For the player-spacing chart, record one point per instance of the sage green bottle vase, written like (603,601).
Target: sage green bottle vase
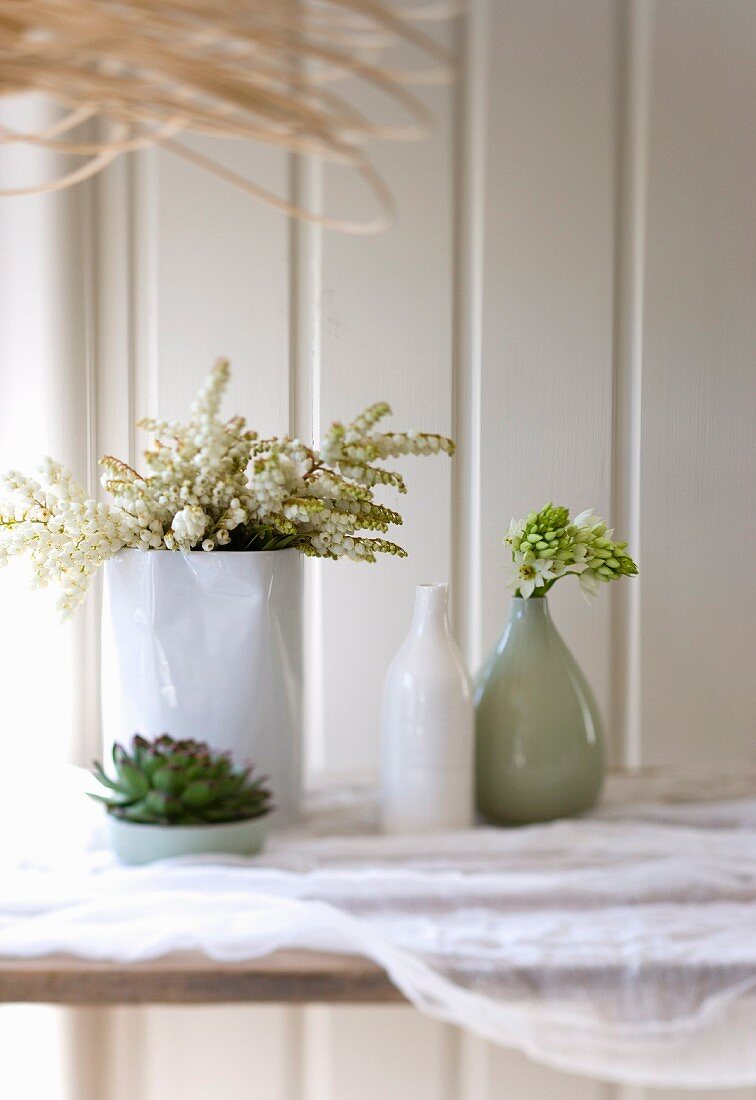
(539,751)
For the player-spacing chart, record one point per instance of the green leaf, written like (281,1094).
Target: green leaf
(168,779)
(120,755)
(157,807)
(198,794)
(138,813)
(139,745)
(150,761)
(110,799)
(102,777)
(132,780)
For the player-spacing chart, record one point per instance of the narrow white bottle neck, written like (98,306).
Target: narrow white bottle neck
(431,609)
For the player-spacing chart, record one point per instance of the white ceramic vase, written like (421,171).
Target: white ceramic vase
(209,646)
(427,726)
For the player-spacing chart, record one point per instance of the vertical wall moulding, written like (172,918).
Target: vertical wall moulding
(469,138)
(633,44)
(103,220)
(468,1054)
(142,183)
(474,1079)
(88,1032)
(122,361)
(87,622)
(114,352)
(308,1074)
(313,1052)
(305,295)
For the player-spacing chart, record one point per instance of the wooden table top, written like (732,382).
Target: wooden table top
(286,977)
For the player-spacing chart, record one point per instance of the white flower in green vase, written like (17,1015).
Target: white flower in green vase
(584,519)
(589,584)
(532,573)
(514,534)
(547,546)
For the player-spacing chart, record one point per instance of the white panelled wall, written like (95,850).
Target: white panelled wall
(569,290)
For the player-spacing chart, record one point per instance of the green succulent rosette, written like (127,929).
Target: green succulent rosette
(170,782)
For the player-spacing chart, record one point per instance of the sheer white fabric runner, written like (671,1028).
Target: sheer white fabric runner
(622,946)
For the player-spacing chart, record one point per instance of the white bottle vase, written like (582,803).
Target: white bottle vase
(427,726)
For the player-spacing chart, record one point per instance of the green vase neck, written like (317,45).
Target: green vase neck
(535,609)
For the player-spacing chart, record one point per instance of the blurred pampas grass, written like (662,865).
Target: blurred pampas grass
(276,71)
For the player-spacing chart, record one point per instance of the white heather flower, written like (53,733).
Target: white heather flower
(212,483)
(189,524)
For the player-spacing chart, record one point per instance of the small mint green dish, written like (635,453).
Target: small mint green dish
(168,798)
(539,743)
(136,844)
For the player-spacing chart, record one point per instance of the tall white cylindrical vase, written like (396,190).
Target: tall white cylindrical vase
(427,726)
(209,646)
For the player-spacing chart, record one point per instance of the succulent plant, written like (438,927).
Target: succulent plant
(169,782)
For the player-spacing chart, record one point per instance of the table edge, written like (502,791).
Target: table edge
(283,977)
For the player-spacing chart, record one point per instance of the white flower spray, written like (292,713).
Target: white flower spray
(213,485)
(547,546)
